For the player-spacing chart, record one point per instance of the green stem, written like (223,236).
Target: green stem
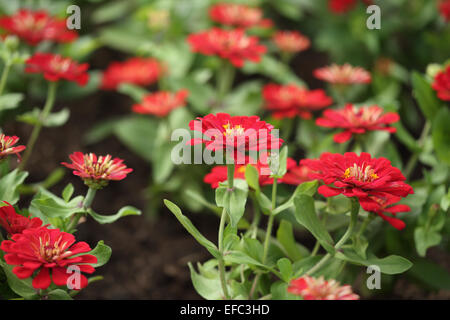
(364,225)
(413,160)
(87,202)
(51,95)
(324,221)
(4,77)
(343,240)
(225,79)
(270,223)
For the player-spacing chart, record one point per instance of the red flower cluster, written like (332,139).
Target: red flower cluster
(55,67)
(7,146)
(138,71)
(442,84)
(161,103)
(444,8)
(290,100)
(320,289)
(238,15)
(37,26)
(291,41)
(356,121)
(345,74)
(13,222)
(343,6)
(97,171)
(373,181)
(233,45)
(44,250)
(238,134)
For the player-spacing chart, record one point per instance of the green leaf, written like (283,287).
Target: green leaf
(9,185)
(441,134)
(425,96)
(285,267)
(187,224)
(279,291)
(431,274)
(425,239)
(68,192)
(360,245)
(305,213)
(279,164)
(240,257)
(58,294)
(233,200)
(51,206)
(389,265)
(252,177)
(23,288)
(308,188)
(54,119)
(285,235)
(10,100)
(125,211)
(102,252)
(207,288)
(162,165)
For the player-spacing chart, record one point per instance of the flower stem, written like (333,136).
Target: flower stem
(343,240)
(364,225)
(4,77)
(413,160)
(51,95)
(225,79)
(87,202)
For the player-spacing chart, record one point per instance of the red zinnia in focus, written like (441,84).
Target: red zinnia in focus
(161,103)
(442,84)
(97,171)
(138,71)
(55,67)
(356,121)
(238,134)
(13,222)
(233,45)
(345,74)
(37,26)
(238,15)
(291,41)
(310,288)
(296,174)
(357,176)
(290,100)
(7,146)
(47,250)
(444,8)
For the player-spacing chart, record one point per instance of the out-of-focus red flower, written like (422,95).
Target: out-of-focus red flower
(138,71)
(357,176)
(320,289)
(345,74)
(161,103)
(343,6)
(383,205)
(47,251)
(97,171)
(291,41)
(291,100)
(232,45)
(444,8)
(7,146)
(442,84)
(238,15)
(55,67)
(37,26)
(296,174)
(13,222)
(238,134)
(356,121)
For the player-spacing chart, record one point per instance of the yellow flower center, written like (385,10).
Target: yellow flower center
(234,131)
(364,174)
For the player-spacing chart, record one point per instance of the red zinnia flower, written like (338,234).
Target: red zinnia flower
(97,171)
(295,174)
(161,103)
(37,26)
(237,134)
(233,45)
(343,6)
(238,15)
(7,146)
(55,67)
(356,121)
(444,8)
(386,204)
(442,84)
(13,222)
(290,100)
(44,250)
(320,289)
(138,71)
(291,41)
(345,74)
(357,176)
